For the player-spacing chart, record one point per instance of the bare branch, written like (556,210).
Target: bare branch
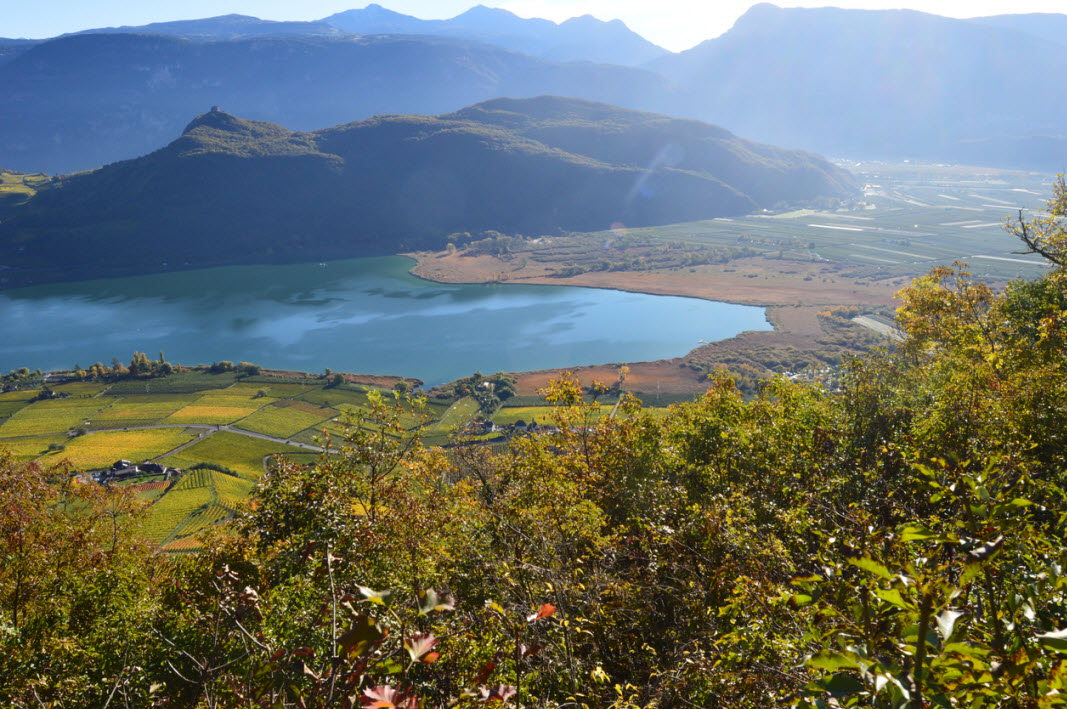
(1033,244)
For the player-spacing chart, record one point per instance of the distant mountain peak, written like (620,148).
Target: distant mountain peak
(218,119)
(480,9)
(376,10)
(494,17)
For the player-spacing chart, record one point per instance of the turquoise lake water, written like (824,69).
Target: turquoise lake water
(363,315)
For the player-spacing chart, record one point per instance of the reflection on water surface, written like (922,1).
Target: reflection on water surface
(362,315)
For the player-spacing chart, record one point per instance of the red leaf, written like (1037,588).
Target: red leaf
(483,674)
(546,611)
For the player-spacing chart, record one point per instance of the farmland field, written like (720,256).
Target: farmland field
(457,415)
(12,401)
(282,390)
(232,450)
(100,450)
(135,411)
(53,416)
(528,414)
(234,396)
(200,519)
(80,389)
(335,397)
(8,408)
(171,510)
(315,435)
(184,383)
(33,447)
(285,421)
(199,499)
(149,491)
(16,188)
(210,414)
(25,395)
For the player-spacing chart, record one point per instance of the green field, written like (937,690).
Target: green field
(232,450)
(335,397)
(8,408)
(149,491)
(184,383)
(81,389)
(12,401)
(35,447)
(281,389)
(286,421)
(527,414)
(209,414)
(25,395)
(51,416)
(98,450)
(457,415)
(199,499)
(135,411)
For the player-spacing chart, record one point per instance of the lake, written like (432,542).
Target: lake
(363,315)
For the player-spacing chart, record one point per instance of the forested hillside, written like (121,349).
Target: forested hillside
(893,539)
(234,191)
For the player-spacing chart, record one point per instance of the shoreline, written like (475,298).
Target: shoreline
(736,282)
(791,302)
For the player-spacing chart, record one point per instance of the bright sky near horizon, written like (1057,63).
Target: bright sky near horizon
(673,24)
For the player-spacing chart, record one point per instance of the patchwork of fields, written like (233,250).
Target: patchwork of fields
(185,421)
(909,219)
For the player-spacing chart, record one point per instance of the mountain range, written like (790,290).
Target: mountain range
(865,84)
(230,190)
(582,38)
(81,101)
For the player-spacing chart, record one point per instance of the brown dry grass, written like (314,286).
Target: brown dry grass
(669,376)
(751,281)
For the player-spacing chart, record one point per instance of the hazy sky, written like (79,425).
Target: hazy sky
(674,24)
